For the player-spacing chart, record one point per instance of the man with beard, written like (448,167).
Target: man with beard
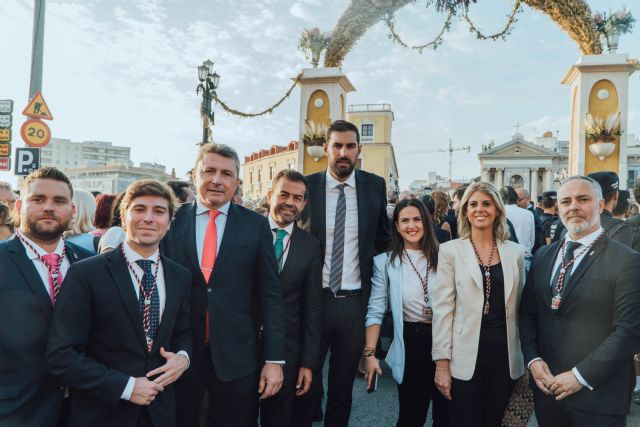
(32,266)
(347,213)
(580,318)
(300,266)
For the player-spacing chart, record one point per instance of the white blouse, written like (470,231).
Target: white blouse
(413,304)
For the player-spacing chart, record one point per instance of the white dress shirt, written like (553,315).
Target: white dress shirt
(285,242)
(524,224)
(412,291)
(133,256)
(351,260)
(39,265)
(579,255)
(202,220)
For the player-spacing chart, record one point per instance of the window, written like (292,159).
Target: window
(271,172)
(367,130)
(259,175)
(251,177)
(290,165)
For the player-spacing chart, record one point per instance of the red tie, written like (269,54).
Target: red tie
(52,262)
(209,258)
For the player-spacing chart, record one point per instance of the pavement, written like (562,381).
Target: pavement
(380,409)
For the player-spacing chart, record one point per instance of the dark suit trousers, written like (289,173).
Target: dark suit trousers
(551,413)
(343,333)
(481,401)
(231,403)
(277,411)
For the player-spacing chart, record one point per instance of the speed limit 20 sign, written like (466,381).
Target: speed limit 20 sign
(35,133)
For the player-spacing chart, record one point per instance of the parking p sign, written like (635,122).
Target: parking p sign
(27,161)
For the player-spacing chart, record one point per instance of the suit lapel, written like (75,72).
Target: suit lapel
(72,255)
(584,265)
(189,234)
(231,229)
(467,252)
(507,270)
(30,275)
(120,274)
(547,272)
(170,304)
(293,253)
(319,202)
(394,272)
(363,208)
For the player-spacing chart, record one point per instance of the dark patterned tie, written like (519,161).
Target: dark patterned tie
(147,283)
(568,256)
(337,254)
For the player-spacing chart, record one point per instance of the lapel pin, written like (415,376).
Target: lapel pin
(591,253)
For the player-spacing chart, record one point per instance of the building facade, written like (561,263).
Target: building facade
(115,178)
(260,167)
(65,154)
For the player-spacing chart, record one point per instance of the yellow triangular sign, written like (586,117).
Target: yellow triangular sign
(38,108)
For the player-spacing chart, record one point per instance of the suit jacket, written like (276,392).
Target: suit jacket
(596,329)
(28,395)
(244,272)
(458,298)
(301,282)
(97,342)
(373,223)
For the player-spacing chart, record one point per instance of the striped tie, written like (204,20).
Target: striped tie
(337,254)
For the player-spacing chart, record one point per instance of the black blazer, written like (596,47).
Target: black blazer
(301,282)
(28,395)
(244,271)
(373,223)
(96,341)
(596,329)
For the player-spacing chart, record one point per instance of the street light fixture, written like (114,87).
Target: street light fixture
(209,80)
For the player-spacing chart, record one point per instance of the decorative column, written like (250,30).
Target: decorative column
(548,180)
(499,172)
(485,175)
(533,184)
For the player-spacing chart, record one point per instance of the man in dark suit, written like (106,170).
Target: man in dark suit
(300,265)
(118,320)
(229,251)
(32,265)
(347,213)
(580,318)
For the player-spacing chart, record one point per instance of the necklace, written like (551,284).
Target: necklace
(425,286)
(487,274)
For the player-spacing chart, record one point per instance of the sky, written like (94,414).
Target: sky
(125,71)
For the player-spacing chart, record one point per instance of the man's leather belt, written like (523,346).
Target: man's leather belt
(342,293)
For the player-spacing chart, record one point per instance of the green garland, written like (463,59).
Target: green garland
(505,31)
(389,20)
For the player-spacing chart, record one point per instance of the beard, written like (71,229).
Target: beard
(286,218)
(573,228)
(342,171)
(45,233)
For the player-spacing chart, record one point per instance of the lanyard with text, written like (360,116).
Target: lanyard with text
(53,272)
(146,321)
(425,286)
(557,294)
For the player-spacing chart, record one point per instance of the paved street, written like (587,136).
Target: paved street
(380,409)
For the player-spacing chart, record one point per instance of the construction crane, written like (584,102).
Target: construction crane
(450,150)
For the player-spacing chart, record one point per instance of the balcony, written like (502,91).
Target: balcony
(363,108)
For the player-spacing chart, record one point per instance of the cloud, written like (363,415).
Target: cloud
(300,11)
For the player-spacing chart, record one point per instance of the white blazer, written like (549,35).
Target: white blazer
(458,299)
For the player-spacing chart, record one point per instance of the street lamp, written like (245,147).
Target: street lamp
(209,80)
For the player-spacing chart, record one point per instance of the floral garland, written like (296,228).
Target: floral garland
(505,31)
(389,20)
(263,112)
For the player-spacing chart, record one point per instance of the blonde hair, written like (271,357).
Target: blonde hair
(441,200)
(500,228)
(85,210)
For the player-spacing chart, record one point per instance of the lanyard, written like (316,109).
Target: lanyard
(425,281)
(146,321)
(487,274)
(54,273)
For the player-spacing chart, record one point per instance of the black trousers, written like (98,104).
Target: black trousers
(418,389)
(481,401)
(343,333)
(231,403)
(280,410)
(551,413)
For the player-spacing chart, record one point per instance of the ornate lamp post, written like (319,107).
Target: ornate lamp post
(209,80)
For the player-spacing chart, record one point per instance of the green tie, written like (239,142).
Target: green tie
(279,247)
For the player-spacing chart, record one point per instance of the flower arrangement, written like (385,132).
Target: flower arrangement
(597,130)
(619,22)
(316,134)
(312,43)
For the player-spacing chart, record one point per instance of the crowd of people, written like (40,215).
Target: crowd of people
(167,306)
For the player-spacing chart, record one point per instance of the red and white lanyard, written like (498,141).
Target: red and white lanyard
(54,273)
(425,285)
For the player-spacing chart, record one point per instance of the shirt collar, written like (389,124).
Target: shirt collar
(332,182)
(41,252)
(201,209)
(274,226)
(134,256)
(586,240)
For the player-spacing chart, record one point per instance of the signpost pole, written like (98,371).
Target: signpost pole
(37,50)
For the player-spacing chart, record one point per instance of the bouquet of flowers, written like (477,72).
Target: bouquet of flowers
(620,22)
(597,130)
(316,134)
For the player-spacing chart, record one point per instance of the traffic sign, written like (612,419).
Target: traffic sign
(35,133)
(5,149)
(6,106)
(38,108)
(5,135)
(5,120)
(27,161)
(5,163)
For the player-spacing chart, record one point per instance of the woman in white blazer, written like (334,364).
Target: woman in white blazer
(405,274)
(475,307)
